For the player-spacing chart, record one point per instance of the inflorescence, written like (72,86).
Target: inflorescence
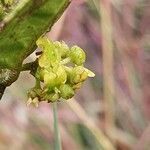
(60,72)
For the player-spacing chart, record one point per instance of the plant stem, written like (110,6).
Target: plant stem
(108,63)
(57,141)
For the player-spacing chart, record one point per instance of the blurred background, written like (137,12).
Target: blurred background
(112,110)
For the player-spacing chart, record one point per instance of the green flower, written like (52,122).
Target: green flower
(34,96)
(77,55)
(77,86)
(50,56)
(54,77)
(66,91)
(49,79)
(79,74)
(59,79)
(61,74)
(34,101)
(34,92)
(62,47)
(51,97)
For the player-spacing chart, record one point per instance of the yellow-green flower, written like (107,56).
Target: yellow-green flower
(78,75)
(77,55)
(66,91)
(50,56)
(51,97)
(62,47)
(60,69)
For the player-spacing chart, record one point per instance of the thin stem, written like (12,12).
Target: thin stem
(108,63)
(96,6)
(57,141)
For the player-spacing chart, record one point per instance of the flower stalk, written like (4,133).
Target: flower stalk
(57,138)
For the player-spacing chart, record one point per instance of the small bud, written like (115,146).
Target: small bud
(78,75)
(62,48)
(32,93)
(55,77)
(54,97)
(61,74)
(77,55)
(50,55)
(83,76)
(29,101)
(66,91)
(56,90)
(44,62)
(76,78)
(49,79)
(35,102)
(51,97)
(77,86)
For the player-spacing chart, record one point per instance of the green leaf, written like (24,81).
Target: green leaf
(18,37)
(22,27)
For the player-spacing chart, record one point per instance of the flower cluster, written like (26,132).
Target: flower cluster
(60,72)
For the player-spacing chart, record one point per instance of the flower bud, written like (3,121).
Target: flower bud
(32,93)
(66,91)
(50,55)
(61,74)
(51,97)
(77,86)
(62,47)
(78,75)
(49,79)
(35,102)
(29,101)
(55,77)
(44,61)
(77,55)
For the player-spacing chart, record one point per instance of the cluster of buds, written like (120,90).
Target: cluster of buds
(60,72)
